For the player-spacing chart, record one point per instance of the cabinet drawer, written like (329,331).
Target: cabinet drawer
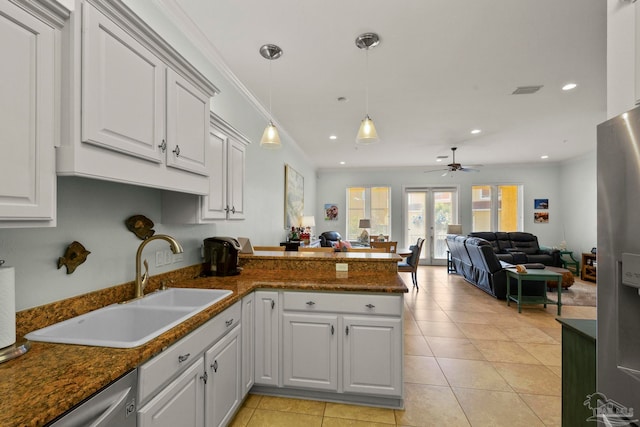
(168,364)
(388,305)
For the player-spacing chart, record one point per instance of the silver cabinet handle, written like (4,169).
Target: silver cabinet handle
(370,306)
(214,366)
(332,330)
(177,151)
(183,357)
(310,303)
(163,146)
(227,209)
(233,209)
(273,304)
(204,377)
(229,322)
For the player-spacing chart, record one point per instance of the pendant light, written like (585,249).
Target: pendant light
(367,133)
(270,137)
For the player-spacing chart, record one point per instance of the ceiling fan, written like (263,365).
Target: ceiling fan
(455,167)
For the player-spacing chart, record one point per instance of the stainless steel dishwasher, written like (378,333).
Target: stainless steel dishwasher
(113,406)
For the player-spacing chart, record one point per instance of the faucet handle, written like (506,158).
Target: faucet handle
(145,276)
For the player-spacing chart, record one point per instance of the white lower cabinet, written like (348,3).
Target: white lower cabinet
(372,363)
(340,346)
(196,381)
(222,394)
(310,351)
(267,338)
(181,403)
(248,343)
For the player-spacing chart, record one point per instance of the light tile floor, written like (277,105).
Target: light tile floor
(469,361)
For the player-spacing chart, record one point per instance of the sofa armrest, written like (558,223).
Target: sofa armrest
(554,253)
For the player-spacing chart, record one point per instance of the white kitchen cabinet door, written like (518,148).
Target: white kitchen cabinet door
(123,90)
(28,129)
(214,205)
(267,338)
(222,394)
(187,125)
(372,353)
(181,403)
(248,346)
(310,351)
(235,174)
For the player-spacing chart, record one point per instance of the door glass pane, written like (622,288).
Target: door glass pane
(416,217)
(443,215)
(481,208)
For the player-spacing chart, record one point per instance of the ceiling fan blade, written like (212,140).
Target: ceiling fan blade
(436,170)
(463,169)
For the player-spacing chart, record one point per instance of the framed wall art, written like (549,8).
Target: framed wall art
(330,212)
(540,203)
(293,197)
(541,217)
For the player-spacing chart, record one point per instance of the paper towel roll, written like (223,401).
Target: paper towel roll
(7,306)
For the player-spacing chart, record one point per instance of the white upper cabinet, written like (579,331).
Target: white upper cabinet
(138,112)
(29,111)
(120,76)
(225,158)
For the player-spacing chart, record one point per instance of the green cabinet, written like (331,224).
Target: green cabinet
(578,369)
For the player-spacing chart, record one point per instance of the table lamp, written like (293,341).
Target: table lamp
(364,237)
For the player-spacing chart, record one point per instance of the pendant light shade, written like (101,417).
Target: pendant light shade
(367,133)
(270,136)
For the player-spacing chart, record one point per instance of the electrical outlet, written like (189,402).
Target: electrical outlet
(342,266)
(160,258)
(168,256)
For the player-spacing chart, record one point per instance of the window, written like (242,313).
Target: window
(373,203)
(496,207)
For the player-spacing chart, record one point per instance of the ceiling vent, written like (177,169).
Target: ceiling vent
(526,90)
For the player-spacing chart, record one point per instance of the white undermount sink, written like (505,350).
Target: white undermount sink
(132,324)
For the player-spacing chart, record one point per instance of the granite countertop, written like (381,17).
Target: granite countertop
(52,378)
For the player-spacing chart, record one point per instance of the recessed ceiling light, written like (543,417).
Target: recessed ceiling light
(476,131)
(333,137)
(544,156)
(342,163)
(569,86)
(438,160)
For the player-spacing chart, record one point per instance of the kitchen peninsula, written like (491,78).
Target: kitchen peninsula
(50,379)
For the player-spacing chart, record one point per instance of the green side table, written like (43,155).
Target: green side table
(570,264)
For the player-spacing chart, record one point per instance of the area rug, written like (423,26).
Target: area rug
(580,293)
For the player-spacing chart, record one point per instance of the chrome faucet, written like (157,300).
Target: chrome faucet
(141,280)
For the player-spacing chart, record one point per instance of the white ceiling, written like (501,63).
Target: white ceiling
(442,69)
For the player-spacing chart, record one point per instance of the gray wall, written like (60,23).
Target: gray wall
(569,187)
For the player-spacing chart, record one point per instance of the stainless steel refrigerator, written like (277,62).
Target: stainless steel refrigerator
(618,269)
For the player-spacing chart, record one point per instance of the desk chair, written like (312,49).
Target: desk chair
(389,247)
(412,261)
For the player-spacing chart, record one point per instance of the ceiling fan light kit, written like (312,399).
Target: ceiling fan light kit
(367,133)
(453,166)
(270,136)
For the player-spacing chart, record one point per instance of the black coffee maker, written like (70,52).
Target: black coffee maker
(221,256)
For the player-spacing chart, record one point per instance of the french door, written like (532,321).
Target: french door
(428,211)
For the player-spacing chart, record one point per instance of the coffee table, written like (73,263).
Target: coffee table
(538,275)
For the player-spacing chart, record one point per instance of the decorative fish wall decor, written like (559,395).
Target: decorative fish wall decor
(75,255)
(141,226)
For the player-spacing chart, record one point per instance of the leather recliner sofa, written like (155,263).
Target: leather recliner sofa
(475,259)
(519,248)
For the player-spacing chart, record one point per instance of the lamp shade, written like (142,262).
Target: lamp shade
(365,223)
(454,229)
(270,137)
(367,133)
(308,221)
